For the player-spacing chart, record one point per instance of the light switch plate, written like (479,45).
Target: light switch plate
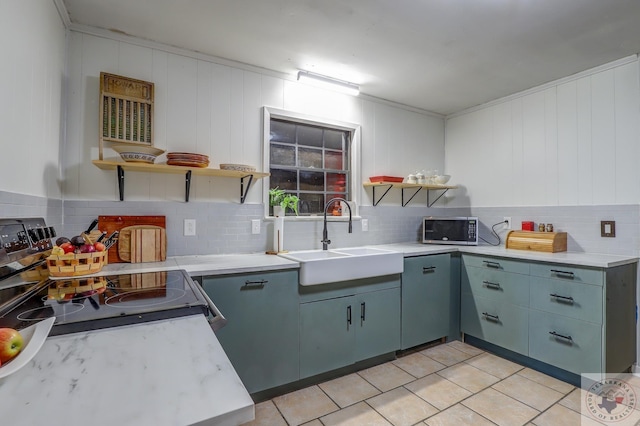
(608,228)
(189,227)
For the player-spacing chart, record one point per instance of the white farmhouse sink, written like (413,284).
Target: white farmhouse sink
(328,266)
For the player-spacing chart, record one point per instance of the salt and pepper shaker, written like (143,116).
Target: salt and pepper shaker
(541,227)
(549,227)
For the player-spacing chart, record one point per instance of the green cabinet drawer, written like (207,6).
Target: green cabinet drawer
(568,273)
(566,343)
(502,324)
(261,334)
(496,264)
(313,293)
(579,301)
(502,286)
(426,299)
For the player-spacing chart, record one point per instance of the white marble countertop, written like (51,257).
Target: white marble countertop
(245,263)
(571,258)
(170,372)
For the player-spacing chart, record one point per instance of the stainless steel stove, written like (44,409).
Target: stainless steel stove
(28,295)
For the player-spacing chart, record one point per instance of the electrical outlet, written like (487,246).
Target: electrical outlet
(189,227)
(365,225)
(255,226)
(507,224)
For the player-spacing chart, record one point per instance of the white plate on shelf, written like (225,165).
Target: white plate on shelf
(34,337)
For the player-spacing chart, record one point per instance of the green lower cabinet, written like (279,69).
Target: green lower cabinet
(327,335)
(377,323)
(426,293)
(568,343)
(338,332)
(502,324)
(261,334)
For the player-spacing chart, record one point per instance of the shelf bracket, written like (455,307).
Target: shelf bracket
(121,182)
(375,203)
(429,204)
(243,192)
(187,188)
(410,198)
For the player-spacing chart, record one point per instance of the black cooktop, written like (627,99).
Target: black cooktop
(89,303)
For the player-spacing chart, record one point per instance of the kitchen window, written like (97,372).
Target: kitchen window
(310,158)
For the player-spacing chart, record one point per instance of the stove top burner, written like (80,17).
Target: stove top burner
(85,303)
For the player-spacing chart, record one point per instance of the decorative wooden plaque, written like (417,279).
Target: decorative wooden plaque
(126,111)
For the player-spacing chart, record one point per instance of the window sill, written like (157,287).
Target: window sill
(330,218)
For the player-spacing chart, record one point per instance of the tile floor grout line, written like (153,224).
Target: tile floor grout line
(445,366)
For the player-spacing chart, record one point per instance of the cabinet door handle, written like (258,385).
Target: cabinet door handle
(254,285)
(427,269)
(561,336)
(362,311)
(563,274)
(490,264)
(490,317)
(492,285)
(348,316)
(563,299)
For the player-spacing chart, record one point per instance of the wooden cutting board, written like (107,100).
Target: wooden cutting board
(116,223)
(142,243)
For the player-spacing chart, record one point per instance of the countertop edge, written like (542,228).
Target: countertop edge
(203,265)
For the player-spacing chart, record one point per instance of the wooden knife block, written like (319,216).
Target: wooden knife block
(549,242)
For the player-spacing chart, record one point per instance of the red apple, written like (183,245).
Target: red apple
(11,343)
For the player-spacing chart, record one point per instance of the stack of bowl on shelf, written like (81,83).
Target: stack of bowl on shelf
(138,153)
(187,159)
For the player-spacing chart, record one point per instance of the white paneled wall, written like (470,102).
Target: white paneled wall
(32,42)
(576,142)
(205,107)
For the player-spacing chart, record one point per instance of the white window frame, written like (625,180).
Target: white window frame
(355,157)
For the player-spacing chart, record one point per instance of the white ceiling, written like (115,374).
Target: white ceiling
(442,56)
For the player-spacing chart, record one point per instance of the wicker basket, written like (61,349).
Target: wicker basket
(72,265)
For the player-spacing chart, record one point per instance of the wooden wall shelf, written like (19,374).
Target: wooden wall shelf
(415,187)
(121,167)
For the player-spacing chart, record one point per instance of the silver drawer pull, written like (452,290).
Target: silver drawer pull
(563,299)
(561,336)
(490,264)
(427,269)
(563,274)
(491,285)
(254,285)
(490,317)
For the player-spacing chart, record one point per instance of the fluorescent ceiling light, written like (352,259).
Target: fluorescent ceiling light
(328,82)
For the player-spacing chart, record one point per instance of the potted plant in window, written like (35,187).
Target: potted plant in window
(281,201)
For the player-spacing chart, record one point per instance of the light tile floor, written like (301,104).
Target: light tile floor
(449,384)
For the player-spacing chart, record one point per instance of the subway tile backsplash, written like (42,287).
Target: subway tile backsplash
(225,228)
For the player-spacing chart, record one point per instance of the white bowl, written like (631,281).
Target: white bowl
(137,153)
(441,179)
(34,337)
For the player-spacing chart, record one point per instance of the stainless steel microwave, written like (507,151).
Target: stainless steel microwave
(450,230)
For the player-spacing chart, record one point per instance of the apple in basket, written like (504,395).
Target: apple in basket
(11,343)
